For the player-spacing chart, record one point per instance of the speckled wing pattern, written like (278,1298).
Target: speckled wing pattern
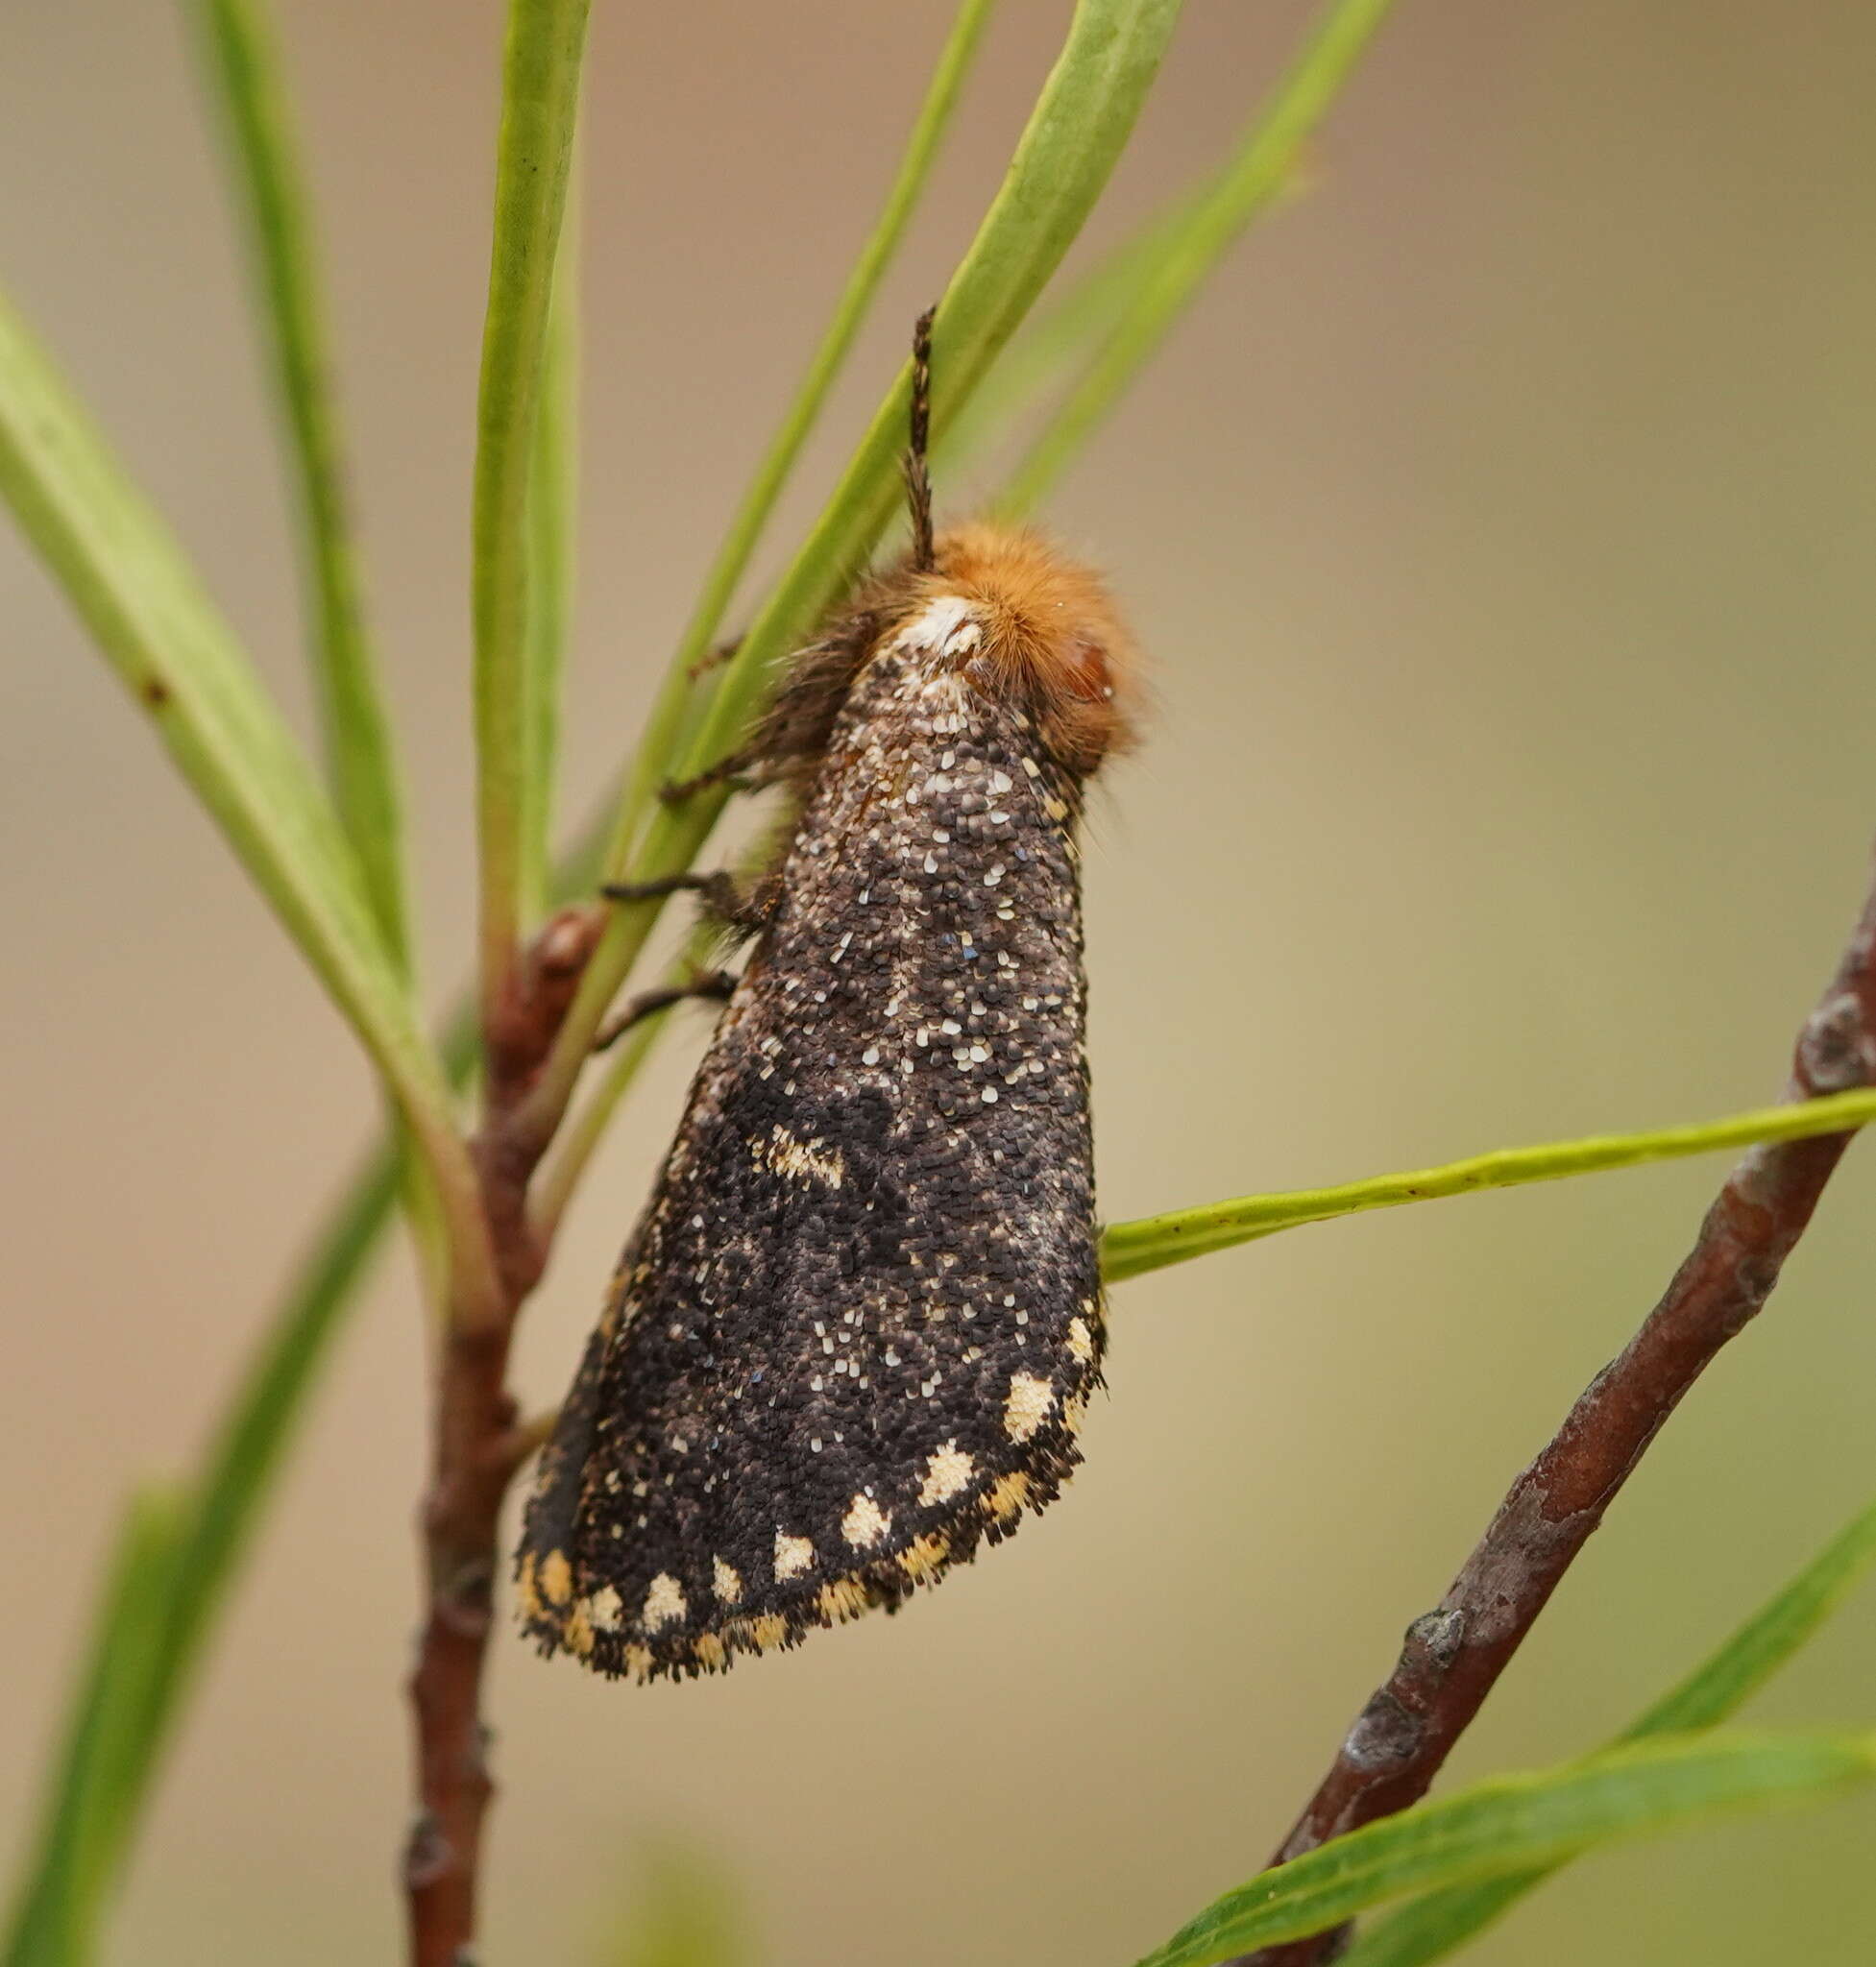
(857,1329)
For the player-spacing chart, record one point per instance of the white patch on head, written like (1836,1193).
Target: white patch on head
(728,1586)
(865,1522)
(793,1555)
(945,628)
(1081,1340)
(663,1602)
(1028,1405)
(948,1471)
(786,1156)
(604,1609)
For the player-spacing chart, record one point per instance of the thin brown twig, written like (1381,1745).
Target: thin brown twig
(477,1448)
(1454,1654)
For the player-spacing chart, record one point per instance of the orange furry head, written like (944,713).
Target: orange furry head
(1049,639)
(1052,637)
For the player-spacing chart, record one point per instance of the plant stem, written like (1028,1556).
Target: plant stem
(474,1458)
(1454,1654)
(461,1516)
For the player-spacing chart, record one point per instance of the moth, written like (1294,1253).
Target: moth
(854,1335)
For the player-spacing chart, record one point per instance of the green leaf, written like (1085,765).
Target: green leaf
(1055,342)
(541,73)
(666,727)
(134,590)
(1511,1822)
(84,1813)
(1075,134)
(549,584)
(1198,238)
(1151,1242)
(164,1593)
(243,69)
(1430,1928)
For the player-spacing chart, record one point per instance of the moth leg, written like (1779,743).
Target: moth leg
(720,891)
(753,906)
(744,909)
(734,771)
(713,983)
(713,658)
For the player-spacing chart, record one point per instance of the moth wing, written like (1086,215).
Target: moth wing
(861,1321)
(795,1408)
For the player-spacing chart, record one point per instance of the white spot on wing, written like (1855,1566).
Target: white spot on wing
(1028,1405)
(865,1522)
(786,1156)
(663,1602)
(793,1555)
(948,1471)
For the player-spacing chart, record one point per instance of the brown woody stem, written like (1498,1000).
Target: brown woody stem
(1454,1654)
(477,1448)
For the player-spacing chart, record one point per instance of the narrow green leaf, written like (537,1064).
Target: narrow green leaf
(1253,177)
(1432,1928)
(551,526)
(244,72)
(1511,1822)
(134,590)
(1150,1241)
(667,726)
(164,1593)
(1074,137)
(539,98)
(56,1911)
(243,1458)
(1054,344)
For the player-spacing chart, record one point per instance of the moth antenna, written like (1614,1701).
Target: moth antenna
(919,477)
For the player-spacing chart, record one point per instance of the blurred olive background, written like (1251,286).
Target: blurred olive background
(1500,526)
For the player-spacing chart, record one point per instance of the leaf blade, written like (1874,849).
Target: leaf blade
(1198,239)
(1509,1822)
(242,69)
(55,1914)
(550,518)
(132,587)
(664,728)
(1429,1928)
(1149,1243)
(539,98)
(1073,138)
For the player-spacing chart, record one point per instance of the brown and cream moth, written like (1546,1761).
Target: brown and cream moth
(855,1332)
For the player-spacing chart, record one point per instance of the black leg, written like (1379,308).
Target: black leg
(713,658)
(665,885)
(714,983)
(732,771)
